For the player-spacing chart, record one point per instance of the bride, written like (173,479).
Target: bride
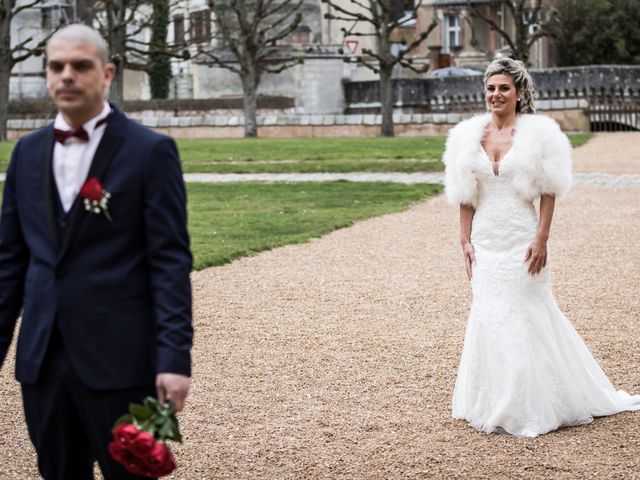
(524,369)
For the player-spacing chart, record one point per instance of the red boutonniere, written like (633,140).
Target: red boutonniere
(96,198)
(139,439)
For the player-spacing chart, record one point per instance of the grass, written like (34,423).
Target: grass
(228,221)
(306,155)
(271,155)
(579,139)
(5,154)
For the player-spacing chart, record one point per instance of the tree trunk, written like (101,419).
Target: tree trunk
(386,70)
(160,71)
(250,90)
(118,57)
(84,12)
(5,66)
(386,101)
(117,38)
(5,75)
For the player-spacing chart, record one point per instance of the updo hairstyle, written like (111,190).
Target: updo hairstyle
(521,79)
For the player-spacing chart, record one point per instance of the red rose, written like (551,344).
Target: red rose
(92,190)
(125,433)
(135,465)
(116,450)
(160,460)
(122,454)
(142,444)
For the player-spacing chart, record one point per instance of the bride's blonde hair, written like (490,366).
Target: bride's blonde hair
(521,79)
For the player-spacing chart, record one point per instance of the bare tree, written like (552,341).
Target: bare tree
(123,24)
(248,32)
(383,17)
(11,55)
(531,21)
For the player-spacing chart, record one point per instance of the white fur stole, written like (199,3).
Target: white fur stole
(541,155)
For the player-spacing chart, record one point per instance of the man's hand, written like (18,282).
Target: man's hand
(174,387)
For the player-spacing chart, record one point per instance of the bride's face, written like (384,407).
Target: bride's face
(500,94)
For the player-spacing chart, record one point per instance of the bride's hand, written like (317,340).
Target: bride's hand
(536,256)
(469,258)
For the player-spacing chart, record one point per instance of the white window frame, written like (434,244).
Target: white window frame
(448,29)
(526,17)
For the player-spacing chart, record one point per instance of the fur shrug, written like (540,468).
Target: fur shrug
(541,157)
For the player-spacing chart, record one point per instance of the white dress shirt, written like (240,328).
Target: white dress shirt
(71,161)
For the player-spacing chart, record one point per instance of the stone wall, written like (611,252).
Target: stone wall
(316,84)
(281,125)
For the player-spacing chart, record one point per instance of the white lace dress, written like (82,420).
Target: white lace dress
(524,369)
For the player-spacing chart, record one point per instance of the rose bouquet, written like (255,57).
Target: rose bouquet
(139,439)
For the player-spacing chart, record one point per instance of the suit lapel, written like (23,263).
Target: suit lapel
(107,149)
(47,178)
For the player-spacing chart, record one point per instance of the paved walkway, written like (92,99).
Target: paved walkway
(592,179)
(337,358)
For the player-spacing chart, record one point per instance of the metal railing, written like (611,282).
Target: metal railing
(614,113)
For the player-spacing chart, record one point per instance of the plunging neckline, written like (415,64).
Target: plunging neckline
(495,166)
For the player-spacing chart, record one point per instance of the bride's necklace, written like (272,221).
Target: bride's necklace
(500,131)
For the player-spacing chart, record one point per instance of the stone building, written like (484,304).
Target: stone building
(462,39)
(315,85)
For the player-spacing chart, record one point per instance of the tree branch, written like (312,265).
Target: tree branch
(371,53)
(38,49)
(16,10)
(412,67)
(475,11)
(421,38)
(350,16)
(283,67)
(286,31)
(365,62)
(215,60)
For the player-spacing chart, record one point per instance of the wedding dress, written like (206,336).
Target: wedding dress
(524,369)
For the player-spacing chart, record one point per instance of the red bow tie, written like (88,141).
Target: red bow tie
(63,135)
(80,133)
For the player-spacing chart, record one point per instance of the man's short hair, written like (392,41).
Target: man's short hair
(78,32)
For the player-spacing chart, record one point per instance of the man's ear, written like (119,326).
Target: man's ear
(109,72)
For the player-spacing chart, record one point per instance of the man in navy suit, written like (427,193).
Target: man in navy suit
(104,288)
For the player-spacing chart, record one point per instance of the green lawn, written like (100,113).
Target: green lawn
(228,221)
(579,139)
(273,155)
(5,154)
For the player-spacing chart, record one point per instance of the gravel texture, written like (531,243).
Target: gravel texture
(617,152)
(337,358)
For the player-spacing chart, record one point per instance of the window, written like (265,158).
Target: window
(397,48)
(200,25)
(403,10)
(533,27)
(452,32)
(178,30)
(53,16)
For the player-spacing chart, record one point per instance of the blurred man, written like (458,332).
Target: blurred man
(94,250)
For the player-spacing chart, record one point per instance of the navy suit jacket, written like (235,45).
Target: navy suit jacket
(119,292)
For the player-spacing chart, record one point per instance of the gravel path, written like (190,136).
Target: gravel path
(336,359)
(610,152)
